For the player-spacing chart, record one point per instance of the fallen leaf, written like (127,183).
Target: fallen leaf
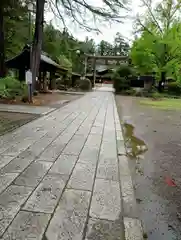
(170,182)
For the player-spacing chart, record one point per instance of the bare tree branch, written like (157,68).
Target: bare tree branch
(78,10)
(152,14)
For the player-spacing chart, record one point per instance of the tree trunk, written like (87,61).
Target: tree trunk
(162,82)
(2,49)
(37,41)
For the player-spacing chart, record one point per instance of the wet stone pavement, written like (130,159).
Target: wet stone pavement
(65,176)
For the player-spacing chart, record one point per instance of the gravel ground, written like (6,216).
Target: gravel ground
(11,120)
(154,168)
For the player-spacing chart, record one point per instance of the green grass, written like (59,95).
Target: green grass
(164,103)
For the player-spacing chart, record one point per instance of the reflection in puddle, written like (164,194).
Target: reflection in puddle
(134,145)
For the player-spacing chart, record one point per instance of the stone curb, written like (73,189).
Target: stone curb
(132,225)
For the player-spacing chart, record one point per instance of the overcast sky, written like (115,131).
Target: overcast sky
(108,32)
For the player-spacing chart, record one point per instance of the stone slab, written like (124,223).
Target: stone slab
(133,229)
(118,126)
(70,216)
(16,149)
(109,135)
(108,169)
(108,150)
(82,176)
(41,145)
(4,160)
(83,131)
(33,174)
(19,163)
(123,166)
(6,179)
(89,154)
(10,202)
(96,130)
(126,185)
(27,226)
(64,165)
(47,194)
(129,201)
(52,152)
(106,202)
(93,140)
(121,148)
(75,145)
(119,136)
(105,230)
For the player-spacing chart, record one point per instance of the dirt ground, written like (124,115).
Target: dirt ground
(9,121)
(45,99)
(156,171)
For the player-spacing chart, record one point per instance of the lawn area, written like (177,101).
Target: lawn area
(164,103)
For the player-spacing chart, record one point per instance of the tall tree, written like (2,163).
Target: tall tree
(37,40)
(2,50)
(105,48)
(13,29)
(121,47)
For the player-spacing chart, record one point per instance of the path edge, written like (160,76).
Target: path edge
(133,226)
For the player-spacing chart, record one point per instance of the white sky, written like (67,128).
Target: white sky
(107,32)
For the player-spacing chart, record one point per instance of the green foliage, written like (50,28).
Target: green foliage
(85,84)
(119,47)
(64,82)
(142,54)
(124,71)
(16,26)
(121,78)
(156,95)
(10,88)
(129,92)
(158,49)
(174,88)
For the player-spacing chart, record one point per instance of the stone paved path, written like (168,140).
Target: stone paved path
(61,176)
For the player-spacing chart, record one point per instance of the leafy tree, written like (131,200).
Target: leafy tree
(155,49)
(105,48)
(14,25)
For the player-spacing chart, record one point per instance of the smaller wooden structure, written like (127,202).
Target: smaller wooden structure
(47,69)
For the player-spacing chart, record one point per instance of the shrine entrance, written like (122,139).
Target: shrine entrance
(103,63)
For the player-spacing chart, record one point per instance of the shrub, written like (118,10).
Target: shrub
(63,82)
(85,84)
(129,92)
(121,78)
(156,95)
(11,87)
(124,71)
(174,88)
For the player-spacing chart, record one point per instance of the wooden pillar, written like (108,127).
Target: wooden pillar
(44,81)
(94,73)
(52,80)
(73,80)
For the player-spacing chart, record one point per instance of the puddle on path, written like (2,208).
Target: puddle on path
(134,146)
